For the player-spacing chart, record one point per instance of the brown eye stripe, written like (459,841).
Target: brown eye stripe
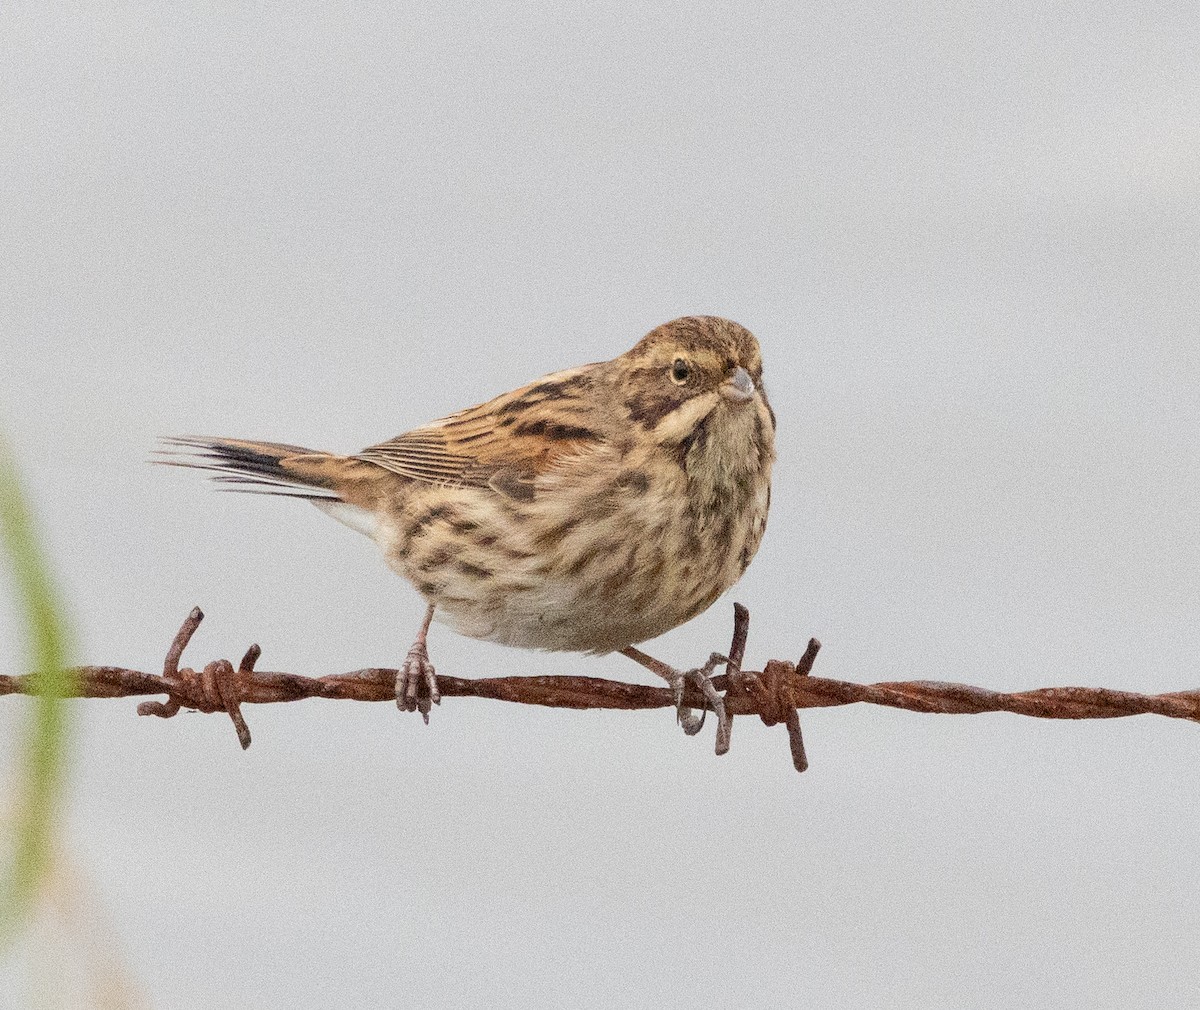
(649,375)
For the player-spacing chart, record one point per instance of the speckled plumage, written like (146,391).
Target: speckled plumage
(587,511)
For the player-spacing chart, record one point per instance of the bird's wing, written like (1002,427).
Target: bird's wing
(506,443)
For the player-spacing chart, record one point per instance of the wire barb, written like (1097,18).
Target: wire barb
(213,689)
(775,694)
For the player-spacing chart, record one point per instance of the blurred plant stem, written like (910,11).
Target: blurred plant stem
(43,754)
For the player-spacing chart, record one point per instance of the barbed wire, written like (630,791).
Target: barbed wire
(774,694)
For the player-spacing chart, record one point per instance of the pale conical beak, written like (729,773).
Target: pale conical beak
(739,387)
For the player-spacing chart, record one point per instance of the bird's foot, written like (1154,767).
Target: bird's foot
(701,676)
(416,683)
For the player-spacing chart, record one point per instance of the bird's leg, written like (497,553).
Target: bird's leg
(701,676)
(417,673)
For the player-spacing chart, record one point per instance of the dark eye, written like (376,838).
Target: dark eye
(680,371)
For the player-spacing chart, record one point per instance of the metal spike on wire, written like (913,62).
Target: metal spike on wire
(775,694)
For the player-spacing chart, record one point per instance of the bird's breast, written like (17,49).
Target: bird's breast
(598,558)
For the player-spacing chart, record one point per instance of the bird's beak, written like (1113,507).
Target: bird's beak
(739,387)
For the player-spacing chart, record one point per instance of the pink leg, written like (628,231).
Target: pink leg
(417,673)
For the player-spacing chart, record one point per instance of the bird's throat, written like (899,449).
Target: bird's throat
(724,456)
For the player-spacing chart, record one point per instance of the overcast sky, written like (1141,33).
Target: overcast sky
(968,240)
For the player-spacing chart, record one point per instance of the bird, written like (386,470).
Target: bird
(588,511)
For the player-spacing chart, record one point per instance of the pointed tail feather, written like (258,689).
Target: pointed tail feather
(256,467)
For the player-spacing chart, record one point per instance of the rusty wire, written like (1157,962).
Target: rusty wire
(774,694)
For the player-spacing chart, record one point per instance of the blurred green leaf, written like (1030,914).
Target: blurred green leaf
(45,745)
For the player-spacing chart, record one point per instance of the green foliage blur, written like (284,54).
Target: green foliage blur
(44,748)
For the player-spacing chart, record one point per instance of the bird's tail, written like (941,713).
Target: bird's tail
(261,467)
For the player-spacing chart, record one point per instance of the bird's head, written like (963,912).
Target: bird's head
(695,385)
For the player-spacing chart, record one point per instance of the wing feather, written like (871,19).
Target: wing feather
(504,444)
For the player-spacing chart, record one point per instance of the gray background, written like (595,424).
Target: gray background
(968,240)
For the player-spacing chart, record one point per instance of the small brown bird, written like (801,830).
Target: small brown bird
(588,511)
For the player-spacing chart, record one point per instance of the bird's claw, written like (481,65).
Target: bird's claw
(701,676)
(685,716)
(416,683)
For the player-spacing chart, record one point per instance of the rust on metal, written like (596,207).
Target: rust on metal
(775,694)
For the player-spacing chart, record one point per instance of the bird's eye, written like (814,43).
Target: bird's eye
(680,372)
